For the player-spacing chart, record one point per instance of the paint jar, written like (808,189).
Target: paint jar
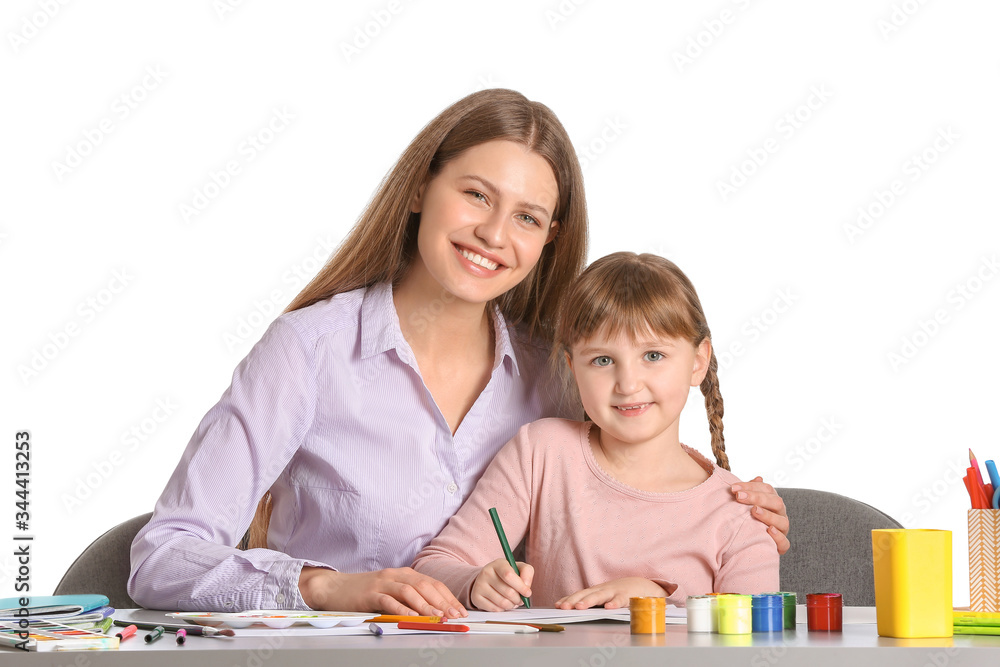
(735,615)
(703,613)
(768,612)
(789,600)
(825,612)
(648,615)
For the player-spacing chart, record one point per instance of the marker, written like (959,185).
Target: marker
(181,636)
(506,549)
(154,635)
(192,630)
(375,629)
(991,470)
(126,632)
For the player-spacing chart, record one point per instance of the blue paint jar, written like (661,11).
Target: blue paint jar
(768,612)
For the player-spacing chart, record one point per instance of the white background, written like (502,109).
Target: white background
(813,398)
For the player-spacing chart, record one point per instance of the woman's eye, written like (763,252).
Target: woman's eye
(602,361)
(476,195)
(654,356)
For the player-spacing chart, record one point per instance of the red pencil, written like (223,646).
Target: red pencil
(440,627)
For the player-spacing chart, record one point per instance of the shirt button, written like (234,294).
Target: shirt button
(279,598)
(452,488)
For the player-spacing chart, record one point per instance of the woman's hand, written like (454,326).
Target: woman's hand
(498,588)
(399,590)
(612,594)
(769,509)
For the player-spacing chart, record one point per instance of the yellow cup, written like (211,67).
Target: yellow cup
(913,596)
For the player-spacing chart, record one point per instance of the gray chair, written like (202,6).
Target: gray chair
(831,545)
(104,566)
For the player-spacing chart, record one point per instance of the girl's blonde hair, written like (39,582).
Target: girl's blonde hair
(636,295)
(383,241)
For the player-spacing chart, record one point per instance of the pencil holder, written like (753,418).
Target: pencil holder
(984,558)
(912,582)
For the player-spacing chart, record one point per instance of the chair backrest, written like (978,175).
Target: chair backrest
(831,545)
(104,566)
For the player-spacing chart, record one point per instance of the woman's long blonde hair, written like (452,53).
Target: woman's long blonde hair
(382,243)
(635,295)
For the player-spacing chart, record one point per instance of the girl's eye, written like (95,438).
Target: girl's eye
(602,361)
(476,195)
(653,356)
(530,220)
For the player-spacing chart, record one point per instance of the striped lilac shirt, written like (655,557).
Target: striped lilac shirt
(329,412)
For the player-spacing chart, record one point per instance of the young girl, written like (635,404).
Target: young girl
(615,507)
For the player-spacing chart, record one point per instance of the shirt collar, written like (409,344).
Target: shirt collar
(380,330)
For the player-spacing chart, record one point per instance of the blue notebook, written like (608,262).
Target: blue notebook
(51,606)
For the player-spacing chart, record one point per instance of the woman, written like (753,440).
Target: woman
(371,407)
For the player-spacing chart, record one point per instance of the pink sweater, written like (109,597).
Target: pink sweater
(584,527)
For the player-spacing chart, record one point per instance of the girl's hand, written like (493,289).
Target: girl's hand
(612,594)
(498,588)
(400,590)
(769,509)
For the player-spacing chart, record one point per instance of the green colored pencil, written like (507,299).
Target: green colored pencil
(508,554)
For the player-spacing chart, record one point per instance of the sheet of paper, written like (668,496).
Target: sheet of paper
(560,616)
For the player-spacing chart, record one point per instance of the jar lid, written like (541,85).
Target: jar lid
(768,600)
(733,600)
(646,604)
(824,600)
(700,601)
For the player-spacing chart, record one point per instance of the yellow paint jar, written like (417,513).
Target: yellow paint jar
(735,614)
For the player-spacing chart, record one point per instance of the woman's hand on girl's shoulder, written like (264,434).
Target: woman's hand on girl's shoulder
(612,594)
(401,590)
(768,508)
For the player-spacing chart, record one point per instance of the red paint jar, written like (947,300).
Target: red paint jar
(825,612)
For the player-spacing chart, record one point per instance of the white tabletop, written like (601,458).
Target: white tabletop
(597,644)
